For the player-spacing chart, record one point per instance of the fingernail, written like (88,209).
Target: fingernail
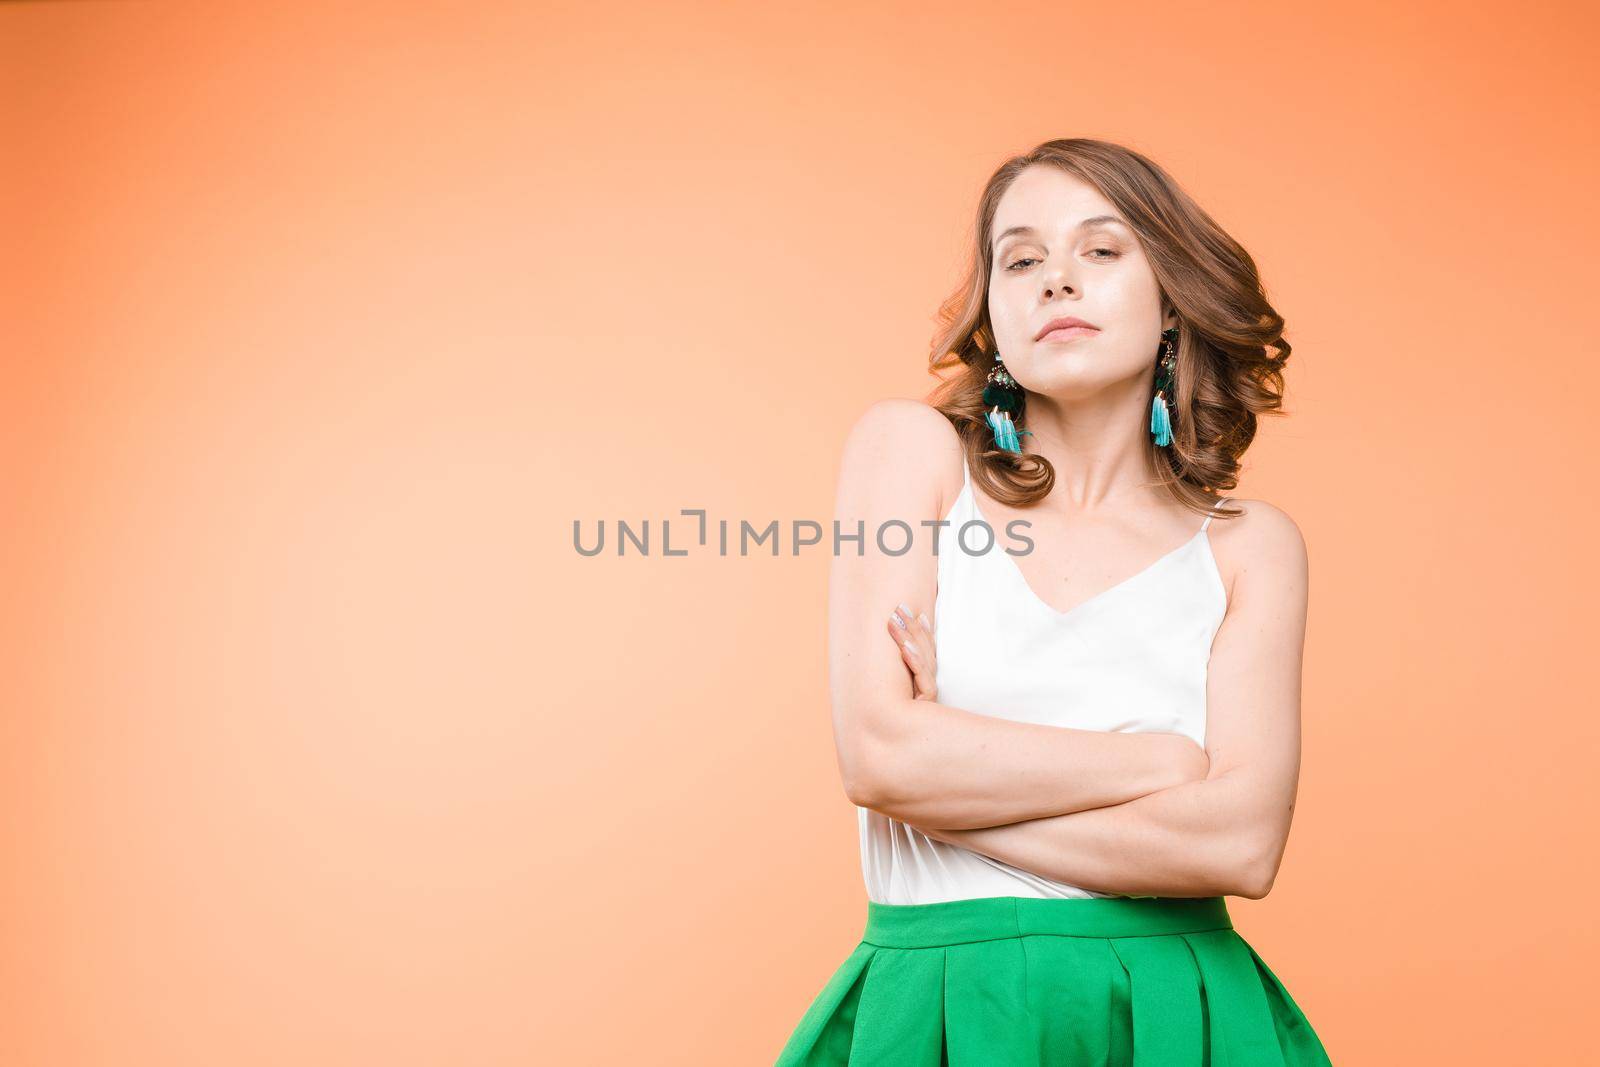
(925,621)
(904,610)
(898,621)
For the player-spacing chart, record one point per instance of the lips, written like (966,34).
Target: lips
(1069,322)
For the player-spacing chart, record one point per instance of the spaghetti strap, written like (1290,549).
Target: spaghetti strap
(1220,501)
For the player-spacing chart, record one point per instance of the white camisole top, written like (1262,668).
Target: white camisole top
(1132,658)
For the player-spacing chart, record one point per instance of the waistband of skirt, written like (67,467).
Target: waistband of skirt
(990,918)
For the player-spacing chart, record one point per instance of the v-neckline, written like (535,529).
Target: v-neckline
(1058,613)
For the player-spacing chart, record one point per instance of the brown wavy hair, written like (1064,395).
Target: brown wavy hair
(1231,349)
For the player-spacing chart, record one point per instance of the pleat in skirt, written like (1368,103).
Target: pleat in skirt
(1025,982)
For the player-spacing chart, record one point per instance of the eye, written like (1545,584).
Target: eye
(1111,253)
(1025,259)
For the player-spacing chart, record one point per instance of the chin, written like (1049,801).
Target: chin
(1072,379)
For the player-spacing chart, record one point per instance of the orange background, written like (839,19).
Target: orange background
(323,323)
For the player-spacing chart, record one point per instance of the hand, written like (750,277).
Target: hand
(914,635)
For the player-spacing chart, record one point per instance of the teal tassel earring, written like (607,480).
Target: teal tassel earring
(1003,396)
(1160,418)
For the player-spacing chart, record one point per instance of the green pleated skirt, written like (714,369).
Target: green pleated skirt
(1025,982)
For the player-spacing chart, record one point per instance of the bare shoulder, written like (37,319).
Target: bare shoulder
(905,425)
(904,442)
(1261,547)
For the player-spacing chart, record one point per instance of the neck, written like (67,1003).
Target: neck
(1099,445)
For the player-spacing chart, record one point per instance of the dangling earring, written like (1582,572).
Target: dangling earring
(1160,418)
(1003,396)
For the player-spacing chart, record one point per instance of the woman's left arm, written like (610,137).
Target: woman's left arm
(1226,833)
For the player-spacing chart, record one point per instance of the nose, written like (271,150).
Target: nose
(1057,281)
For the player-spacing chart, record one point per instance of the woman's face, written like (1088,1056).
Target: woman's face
(1064,263)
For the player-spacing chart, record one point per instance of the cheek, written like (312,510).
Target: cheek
(1136,294)
(1006,312)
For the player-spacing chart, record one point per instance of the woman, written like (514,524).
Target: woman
(1095,737)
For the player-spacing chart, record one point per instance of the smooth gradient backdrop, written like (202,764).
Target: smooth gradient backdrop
(321,745)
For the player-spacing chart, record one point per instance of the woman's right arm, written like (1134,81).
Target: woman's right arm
(917,760)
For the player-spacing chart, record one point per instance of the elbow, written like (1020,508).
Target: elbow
(866,786)
(1254,868)
(1254,883)
(862,766)
(858,785)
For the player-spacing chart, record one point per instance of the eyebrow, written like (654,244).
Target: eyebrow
(1093,220)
